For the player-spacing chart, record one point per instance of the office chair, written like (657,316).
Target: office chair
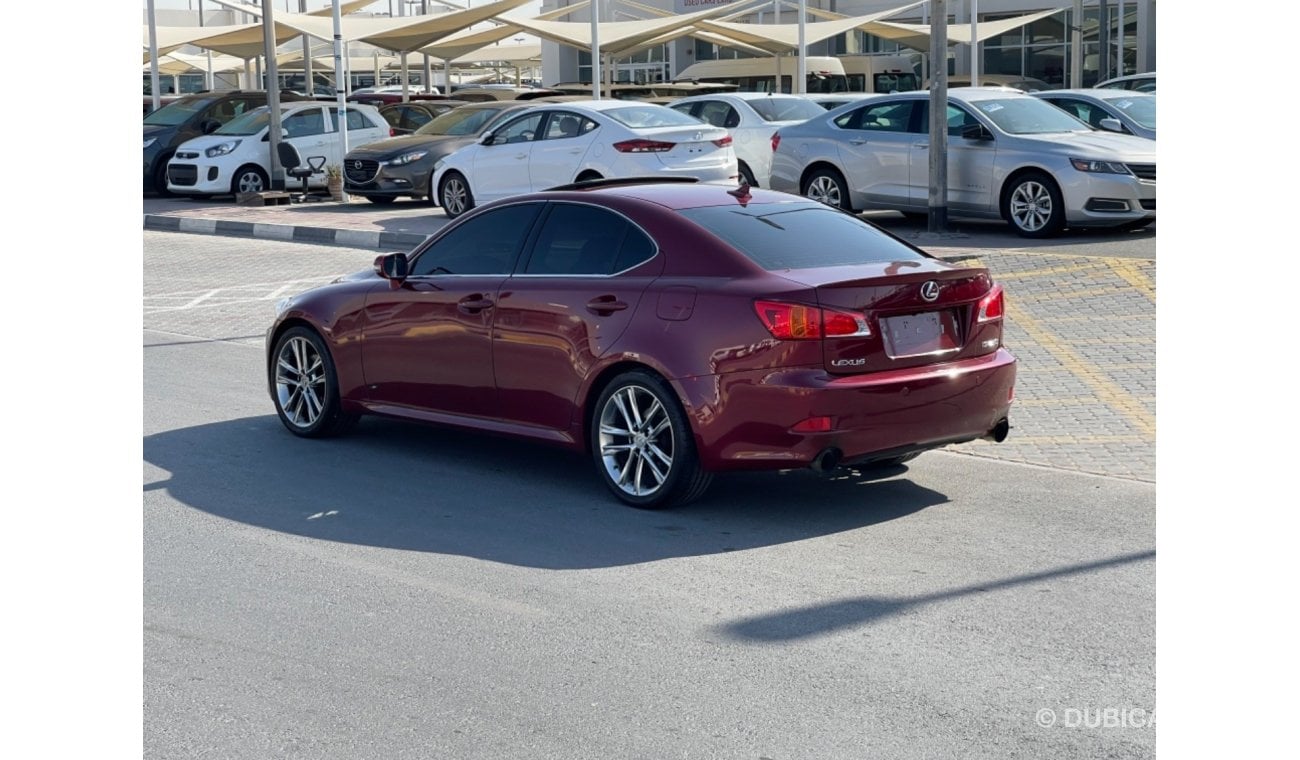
(293,167)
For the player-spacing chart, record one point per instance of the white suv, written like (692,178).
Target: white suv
(236,158)
(751,118)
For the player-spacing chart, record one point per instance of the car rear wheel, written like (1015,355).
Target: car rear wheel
(306,386)
(1033,206)
(747,176)
(643,446)
(249,179)
(456,196)
(827,186)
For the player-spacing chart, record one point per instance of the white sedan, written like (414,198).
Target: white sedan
(751,118)
(236,158)
(556,144)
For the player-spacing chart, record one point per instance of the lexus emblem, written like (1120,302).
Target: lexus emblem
(930,290)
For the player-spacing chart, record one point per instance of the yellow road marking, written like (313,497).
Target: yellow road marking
(1107,391)
(1128,269)
(1092,265)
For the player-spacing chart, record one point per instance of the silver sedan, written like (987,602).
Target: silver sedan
(1010,156)
(1123,111)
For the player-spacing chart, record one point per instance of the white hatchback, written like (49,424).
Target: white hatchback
(751,118)
(556,144)
(236,158)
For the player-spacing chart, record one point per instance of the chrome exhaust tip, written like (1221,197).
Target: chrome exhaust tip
(827,460)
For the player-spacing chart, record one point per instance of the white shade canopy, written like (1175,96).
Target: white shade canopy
(781,38)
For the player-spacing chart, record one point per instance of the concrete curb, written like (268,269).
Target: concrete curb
(404,241)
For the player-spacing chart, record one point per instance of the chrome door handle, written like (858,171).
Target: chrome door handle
(521,156)
(605,305)
(474,304)
(858,141)
(922,145)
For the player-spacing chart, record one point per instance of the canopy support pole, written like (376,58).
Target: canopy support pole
(153,59)
(939,117)
(272,92)
(595,49)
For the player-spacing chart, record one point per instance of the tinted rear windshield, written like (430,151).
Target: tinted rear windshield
(799,236)
(177,112)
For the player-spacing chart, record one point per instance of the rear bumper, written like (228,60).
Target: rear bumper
(744,421)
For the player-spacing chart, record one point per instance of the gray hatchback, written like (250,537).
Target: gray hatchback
(1010,156)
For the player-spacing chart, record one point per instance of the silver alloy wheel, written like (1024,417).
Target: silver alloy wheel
(824,189)
(1031,206)
(636,441)
(250,182)
(453,196)
(300,382)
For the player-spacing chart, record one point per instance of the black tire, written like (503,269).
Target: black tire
(628,452)
(1033,206)
(249,179)
(827,186)
(916,217)
(160,178)
(454,195)
(381,200)
(305,386)
(588,176)
(747,176)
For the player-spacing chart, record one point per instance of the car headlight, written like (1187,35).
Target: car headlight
(150,141)
(222,149)
(1102,167)
(407,158)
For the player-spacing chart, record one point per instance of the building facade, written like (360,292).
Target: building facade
(1041,49)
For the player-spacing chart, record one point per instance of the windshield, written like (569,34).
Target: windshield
(177,113)
(1139,109)
(249,123)
(785,109)
(775,236)
(646,116)
(1028,116)
(460,121)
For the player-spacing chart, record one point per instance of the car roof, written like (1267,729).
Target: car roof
(676,195)
(1102,93)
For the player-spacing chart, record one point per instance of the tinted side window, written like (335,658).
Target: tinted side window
(719,114)
(305,123)
(487,243)
(577,239)
(356,119)
(562,125)
(880,117)
(776,236)
(522,129)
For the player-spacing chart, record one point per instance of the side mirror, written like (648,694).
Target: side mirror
(391,266)
(1110,123)
(208,126)
(976,132)
(487,138)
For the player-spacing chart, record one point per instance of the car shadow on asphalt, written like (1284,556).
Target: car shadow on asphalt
(413,487)
(831,617)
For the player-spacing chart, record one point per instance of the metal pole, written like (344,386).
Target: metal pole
(341,99)
(595,49)
(428,62)
(1076,45)
(272,92)
(307,72)
(207,75)
(939,117)
(376,63)
(1119,53)
(974,43)
(776,16)
(801,86)
(153,59)
(446,76)
(406,79)
(1103,40)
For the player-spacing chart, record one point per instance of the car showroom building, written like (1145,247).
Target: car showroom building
(1040,49)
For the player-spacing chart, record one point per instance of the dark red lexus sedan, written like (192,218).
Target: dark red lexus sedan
(671,330)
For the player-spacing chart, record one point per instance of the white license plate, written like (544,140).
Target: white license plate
(919,334)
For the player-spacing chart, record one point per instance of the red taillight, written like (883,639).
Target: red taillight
(724,142)
(813,425)
(392,132)
(643,146)
(793,321)
(990,306)
(776,140)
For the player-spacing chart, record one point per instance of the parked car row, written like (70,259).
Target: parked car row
(1040,161)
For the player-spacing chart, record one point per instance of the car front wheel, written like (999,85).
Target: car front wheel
(643,446)
(455,195)
(306,386)
(249,179)
(1034,207)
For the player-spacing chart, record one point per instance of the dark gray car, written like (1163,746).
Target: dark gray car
(1123,111)
(386,170)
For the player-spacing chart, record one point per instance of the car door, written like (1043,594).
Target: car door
(306,130)
(501,165)
(569,300)
(875,147)
(557,156)
(427,341)
(970,163)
